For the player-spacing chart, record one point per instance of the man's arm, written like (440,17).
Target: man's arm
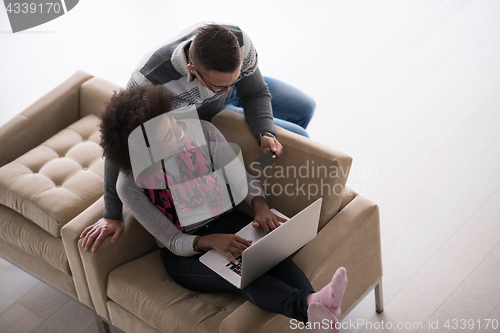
(256,100)
(112,203)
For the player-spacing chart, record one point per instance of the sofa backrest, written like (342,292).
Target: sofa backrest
(306,171)
(51,113)
(94,95)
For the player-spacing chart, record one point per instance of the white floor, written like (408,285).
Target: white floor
(409,88)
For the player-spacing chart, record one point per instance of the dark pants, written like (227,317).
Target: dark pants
(283,289)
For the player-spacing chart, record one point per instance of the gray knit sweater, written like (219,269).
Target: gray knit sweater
(154,221)
(167,65)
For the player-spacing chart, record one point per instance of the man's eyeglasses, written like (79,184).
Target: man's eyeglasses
(220,88)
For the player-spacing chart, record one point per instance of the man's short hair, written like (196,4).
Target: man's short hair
(215,48)
(127,110)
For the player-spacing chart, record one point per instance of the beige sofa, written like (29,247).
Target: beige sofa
(51,193)
(51,169)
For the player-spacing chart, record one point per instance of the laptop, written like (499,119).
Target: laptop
(268,250)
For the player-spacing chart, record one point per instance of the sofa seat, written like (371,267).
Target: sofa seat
(54,182)
(143,288)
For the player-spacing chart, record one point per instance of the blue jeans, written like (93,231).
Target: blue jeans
(283,289)
(292,109)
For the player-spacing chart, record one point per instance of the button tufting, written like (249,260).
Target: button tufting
(85,168)
(195,296)
(223,309)
(58,185)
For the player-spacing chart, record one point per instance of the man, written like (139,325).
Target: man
(213,67)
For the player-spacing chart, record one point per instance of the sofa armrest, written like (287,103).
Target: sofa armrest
(133,243)
(70,234)
(53,112)
(352,240)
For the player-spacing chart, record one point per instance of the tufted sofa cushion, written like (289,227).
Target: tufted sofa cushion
(144,288)
(57,180)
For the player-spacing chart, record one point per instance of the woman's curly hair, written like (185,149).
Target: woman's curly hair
(127,110)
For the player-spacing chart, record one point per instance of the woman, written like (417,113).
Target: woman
(185,183)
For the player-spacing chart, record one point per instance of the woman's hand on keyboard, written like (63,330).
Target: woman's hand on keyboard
(226,244)
(264,218)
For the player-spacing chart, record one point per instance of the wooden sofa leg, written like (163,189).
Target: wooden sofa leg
(379,300)
(102,326)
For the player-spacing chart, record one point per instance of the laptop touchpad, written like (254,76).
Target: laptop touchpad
(251,233)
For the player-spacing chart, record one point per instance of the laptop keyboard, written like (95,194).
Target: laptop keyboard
(235,268)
